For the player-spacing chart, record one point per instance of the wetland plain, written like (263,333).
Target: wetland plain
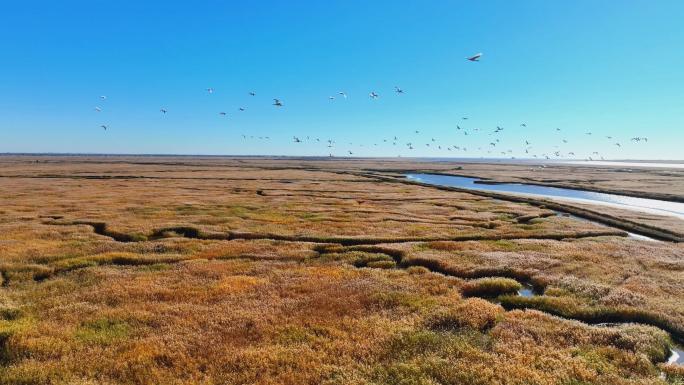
(211,270)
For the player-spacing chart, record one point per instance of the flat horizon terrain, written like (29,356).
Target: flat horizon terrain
(220,270)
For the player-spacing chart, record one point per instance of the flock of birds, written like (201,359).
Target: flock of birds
(494,147)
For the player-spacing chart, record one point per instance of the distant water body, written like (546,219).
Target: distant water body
(651,206)
(675,164)
(627,164)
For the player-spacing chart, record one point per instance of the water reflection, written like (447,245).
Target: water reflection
(652,206)
(677,356)
(527,291)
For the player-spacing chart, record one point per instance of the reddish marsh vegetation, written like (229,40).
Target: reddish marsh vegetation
(219,271)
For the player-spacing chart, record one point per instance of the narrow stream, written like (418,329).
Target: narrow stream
(676,351)
(527,290)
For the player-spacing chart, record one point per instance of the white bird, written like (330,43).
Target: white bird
(104,126)
(331,98)
(103,97)
(222,113)
(277,103)
(398,90)
(163,110)
(373,95)
(252,93)
(242,108)
(210,90)
(98,109)
(475,57)
(342,94)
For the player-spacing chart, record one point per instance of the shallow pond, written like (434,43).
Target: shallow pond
(527,291)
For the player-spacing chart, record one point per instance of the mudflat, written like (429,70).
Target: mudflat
(148,270)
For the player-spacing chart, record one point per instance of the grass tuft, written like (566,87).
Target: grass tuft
(490,287)
(103,331)
(475,313)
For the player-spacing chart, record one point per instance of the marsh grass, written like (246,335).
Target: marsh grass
(573,309)
(384,264)
(364,259)
(154,271)
(674,374)
(103,331)
(475,313)
(490,287)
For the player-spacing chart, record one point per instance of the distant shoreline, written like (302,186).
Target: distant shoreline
(645,163)
(614,162)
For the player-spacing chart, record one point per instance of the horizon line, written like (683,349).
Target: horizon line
(75,154)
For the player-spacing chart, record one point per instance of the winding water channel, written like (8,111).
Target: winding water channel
(651,206)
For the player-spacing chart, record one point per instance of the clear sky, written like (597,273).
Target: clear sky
(613,68)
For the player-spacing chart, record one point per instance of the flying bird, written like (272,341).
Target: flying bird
(398,90)
(210,90)
(103,97)
(277,103)
(104,126)
(252,93)
(342,94)
(475,57)
(163,110)
(373,95)
(98,109)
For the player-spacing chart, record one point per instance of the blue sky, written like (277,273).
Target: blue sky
(614,68)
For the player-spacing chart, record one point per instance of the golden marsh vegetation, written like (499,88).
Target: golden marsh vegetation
(255,271)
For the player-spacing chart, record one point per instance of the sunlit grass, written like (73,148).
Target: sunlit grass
(144,282)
